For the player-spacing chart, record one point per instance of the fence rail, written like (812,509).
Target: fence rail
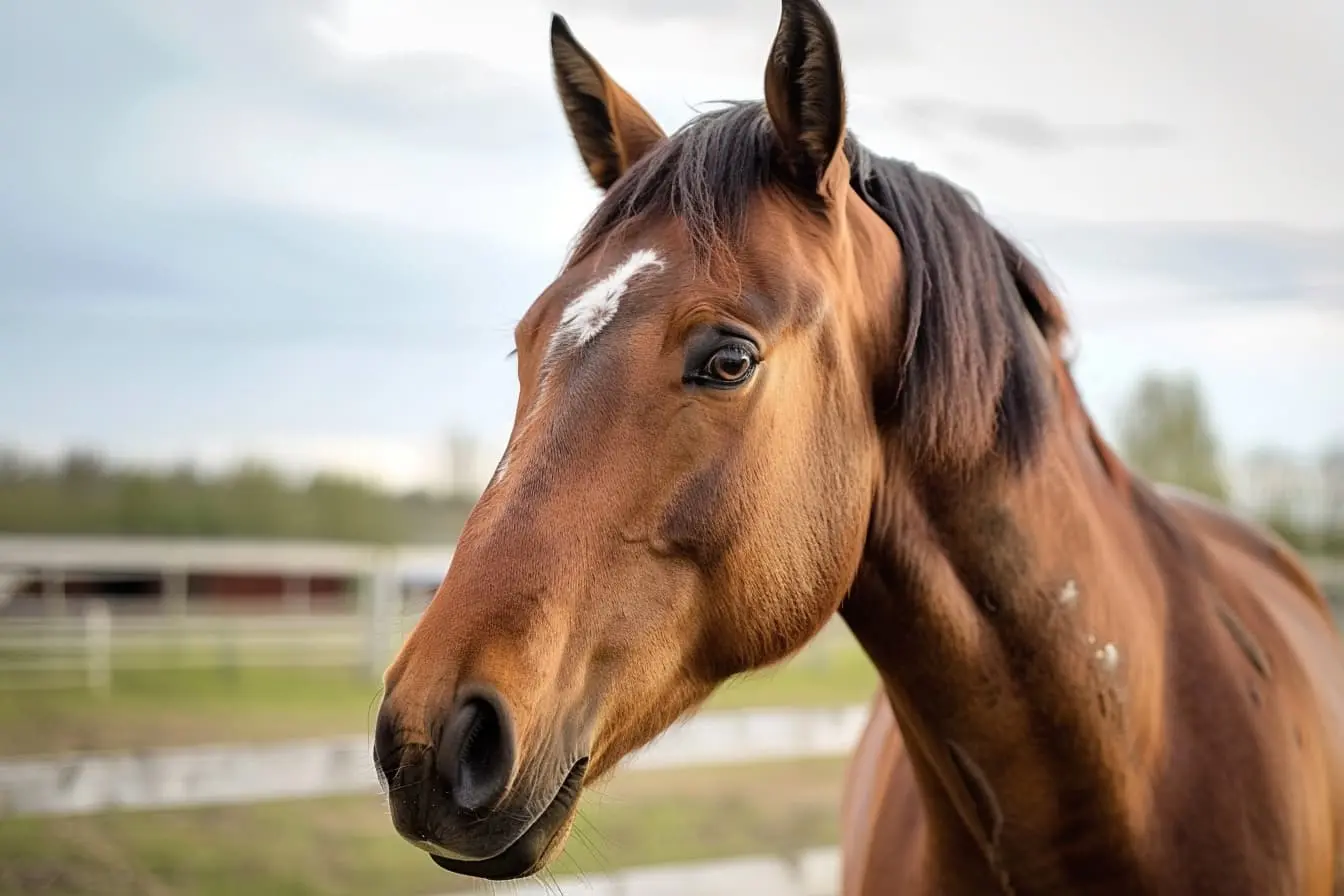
(89,649)
(228,774)
(812,872)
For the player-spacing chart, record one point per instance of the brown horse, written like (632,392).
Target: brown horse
(781,377)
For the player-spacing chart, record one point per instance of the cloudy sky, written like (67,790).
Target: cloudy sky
(306,228)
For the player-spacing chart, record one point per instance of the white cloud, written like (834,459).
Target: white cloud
(1255,142)
(1264,363)
(435,129)
(239,150)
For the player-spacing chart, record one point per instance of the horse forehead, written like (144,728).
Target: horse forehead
(591,305)
(759,279)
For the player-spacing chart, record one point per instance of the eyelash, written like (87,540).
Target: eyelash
(740,350)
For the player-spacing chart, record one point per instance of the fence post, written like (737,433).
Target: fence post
(380,585)
(98,646)
(53,592)
(175,587)
(297,597)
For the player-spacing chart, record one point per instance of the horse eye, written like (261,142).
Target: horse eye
(731,364)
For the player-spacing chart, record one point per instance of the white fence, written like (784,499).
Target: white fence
(89,649)
(215,775)
(813,872)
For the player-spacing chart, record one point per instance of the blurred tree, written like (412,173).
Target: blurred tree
(81,466)
(1166,434)
(84,494)
(12,466)
(1332,484)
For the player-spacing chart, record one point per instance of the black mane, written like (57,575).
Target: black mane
(967,365)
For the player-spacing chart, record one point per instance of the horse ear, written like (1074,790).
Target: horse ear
(805,95)
(612,130)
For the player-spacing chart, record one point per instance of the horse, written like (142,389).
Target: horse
(781,377)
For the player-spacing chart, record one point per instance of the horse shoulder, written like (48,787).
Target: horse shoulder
(1281,621)
(882,819)
(1215,522)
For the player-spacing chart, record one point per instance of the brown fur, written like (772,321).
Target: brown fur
(1088,686)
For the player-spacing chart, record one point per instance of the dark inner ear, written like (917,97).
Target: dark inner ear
(583,94)
(595,135)
(612,130)
(804,91)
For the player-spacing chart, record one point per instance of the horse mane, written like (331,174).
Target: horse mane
(968,375)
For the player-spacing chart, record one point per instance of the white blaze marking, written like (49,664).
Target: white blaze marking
(587,315)
(1108,656)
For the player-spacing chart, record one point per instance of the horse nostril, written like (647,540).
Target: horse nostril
(476,750)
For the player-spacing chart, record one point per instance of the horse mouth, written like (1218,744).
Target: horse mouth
(527,854)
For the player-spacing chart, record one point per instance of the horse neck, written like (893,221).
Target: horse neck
(1013,618)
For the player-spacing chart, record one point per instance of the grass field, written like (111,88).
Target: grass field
(185,707)
(334,847)
(345,845)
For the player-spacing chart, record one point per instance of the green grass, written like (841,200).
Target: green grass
(174,708)
(341,846)
(177,708)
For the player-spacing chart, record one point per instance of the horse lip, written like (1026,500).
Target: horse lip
(522,857)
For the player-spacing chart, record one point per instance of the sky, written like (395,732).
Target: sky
(305,229)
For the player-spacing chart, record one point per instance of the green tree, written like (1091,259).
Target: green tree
(1166,434)
(84,493)
(1332,483)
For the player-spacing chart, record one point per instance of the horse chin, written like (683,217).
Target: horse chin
(537,846)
